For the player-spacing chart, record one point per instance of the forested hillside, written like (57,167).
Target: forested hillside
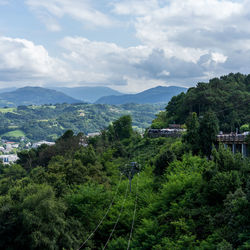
(185,193)
(228,97)
(72,197)
(51,121)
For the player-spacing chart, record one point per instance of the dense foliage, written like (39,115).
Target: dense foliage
(190,192)
(54,197)
(228,97)
(48,122)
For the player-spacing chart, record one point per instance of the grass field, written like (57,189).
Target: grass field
(15,133)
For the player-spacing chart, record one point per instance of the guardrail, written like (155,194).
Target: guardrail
(228,138)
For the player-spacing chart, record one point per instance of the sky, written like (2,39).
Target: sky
(128,45)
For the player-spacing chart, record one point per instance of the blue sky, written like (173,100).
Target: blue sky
(129,45)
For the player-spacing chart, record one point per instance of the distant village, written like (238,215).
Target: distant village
(9,149)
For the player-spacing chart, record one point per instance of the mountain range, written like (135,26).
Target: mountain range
(39,95)
(87,94)
(34,96)
(158,94)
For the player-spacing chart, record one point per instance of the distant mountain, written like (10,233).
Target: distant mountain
(88,94)
(34,96)
(158,94)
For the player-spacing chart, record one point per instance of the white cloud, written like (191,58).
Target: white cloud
(181,42)
(50,22)
(76,9)
(22,61)
(218,58)
(101,62)
(109,64)
(189,29)
(134,7)
(191,40)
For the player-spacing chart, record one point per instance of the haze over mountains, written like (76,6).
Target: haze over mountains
(88,94)
(158,94)
(98,95)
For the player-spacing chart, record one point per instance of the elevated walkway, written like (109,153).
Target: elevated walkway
(236,142)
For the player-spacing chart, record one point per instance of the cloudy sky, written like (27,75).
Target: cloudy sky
(129,45)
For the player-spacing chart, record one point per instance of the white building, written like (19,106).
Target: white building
(7,159)
(93,134)
(38,144)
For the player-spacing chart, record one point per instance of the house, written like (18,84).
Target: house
(7,159)
(93,134)
(8,147)
(38,144)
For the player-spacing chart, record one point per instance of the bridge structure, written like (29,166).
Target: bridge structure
(236,142)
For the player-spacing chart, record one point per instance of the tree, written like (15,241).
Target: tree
(192,136)
(244,128)
(208,131)
(160,121)
(162,161)
(123,127)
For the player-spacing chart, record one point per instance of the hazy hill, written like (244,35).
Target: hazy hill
(88,94)
(158,94)
(34,96)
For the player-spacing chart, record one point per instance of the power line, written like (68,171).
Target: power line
(118,218)
(133,222)
(103,216)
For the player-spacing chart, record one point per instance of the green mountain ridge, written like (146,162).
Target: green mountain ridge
(34,96)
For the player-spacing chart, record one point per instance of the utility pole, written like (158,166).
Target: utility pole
(130,170)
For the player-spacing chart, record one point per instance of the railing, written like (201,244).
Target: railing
(232,138)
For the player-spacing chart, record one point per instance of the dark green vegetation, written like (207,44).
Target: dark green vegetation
(49,122)
(201,135)
(188,194)
(56,196)
(228,97)
(88,94)
(155,95)
(34,96)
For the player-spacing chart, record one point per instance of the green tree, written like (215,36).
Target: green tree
(163,159)
(192,137)
(123,127)
(208,131)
